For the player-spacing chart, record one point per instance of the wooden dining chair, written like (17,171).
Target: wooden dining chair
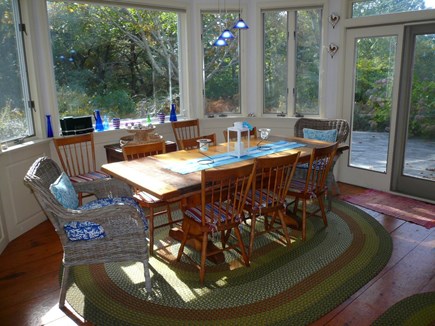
(146,200)
(313,186)
(134,151)
(218,212)
(233,134)
(186,129)
(77,157)
(342,131)
(267,197)
(192,143)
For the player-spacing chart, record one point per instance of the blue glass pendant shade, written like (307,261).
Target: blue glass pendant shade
(240,24)
(226,34)
(220,42)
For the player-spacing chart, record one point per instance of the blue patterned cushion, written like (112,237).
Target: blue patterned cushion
(63,190)
(324,135)
(116,200)
(84,231)
(89,230)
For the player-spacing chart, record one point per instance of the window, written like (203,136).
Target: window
(221,65)
(123,61)
(292,47)
(16,120)
(380,7)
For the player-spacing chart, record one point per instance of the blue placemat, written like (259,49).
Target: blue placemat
(203,163)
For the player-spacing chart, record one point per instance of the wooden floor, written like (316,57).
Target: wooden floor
(29,272)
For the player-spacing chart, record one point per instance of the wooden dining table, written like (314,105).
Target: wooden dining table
(151,174)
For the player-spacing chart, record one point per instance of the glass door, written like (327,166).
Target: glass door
(371,84)
(414,150)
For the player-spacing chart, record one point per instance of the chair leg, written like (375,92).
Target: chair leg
(63,285)
(241,245)
(183,242)
(252,235)
(151,231)
(295,208)
(203,257)
(147,276)
(169,213)
(304,219)
(322,210)
(284,227)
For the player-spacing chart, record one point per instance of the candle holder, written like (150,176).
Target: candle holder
(264,135)
(237,148)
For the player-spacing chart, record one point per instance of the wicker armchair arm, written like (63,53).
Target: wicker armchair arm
(104,188)
(115,219)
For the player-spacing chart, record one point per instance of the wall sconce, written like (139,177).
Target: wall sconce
(333,19)
(332,49)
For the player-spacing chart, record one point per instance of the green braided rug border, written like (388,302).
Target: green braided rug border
(284,285)
(418,309)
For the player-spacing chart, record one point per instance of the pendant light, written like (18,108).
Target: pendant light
(240,24)
(226,34)
(221,40)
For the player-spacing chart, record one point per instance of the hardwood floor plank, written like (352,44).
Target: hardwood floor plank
(410,272)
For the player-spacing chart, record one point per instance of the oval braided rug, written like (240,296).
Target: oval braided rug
(284,285)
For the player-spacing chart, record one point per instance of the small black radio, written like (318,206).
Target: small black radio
(76,125)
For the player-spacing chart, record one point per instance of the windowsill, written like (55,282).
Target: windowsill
(25,144)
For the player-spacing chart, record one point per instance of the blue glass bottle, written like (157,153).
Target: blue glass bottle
(49,127)
(173,116)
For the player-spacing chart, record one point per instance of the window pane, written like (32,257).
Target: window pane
(308,43)
(275,61)
(292,44)
(221,65)
(374,75)
(380,7)
(15,115)
(122,61)
(420,145)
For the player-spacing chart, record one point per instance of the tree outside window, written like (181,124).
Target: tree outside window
(221,65)
(123,61)
(291,61)
(363,8)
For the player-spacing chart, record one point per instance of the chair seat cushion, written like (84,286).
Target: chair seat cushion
(324,135)
(89,230)
(298,186)
(91,176)
(260,200)
(211,215)
(63,190)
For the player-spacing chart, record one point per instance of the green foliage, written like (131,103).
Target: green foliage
(422,115)
(111,58)
(13,122)
(363,8)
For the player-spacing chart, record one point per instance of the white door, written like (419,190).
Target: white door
(372,66)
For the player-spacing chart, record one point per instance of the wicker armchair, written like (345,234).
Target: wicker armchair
(342,127)
(125,234)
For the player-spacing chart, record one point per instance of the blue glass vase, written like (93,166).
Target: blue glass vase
(173,116)
(49,127)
